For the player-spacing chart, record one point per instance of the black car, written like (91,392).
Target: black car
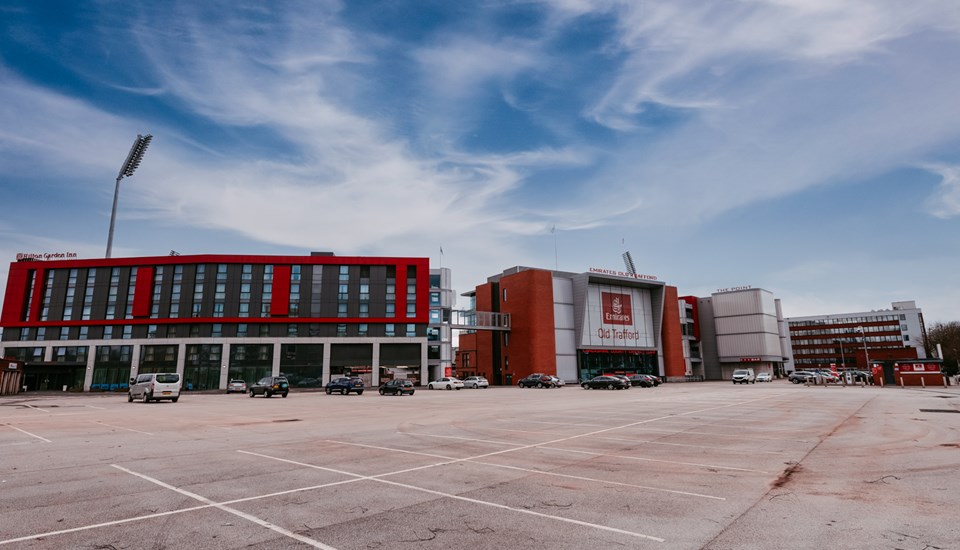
(605,382)
(397,387)
(345,385)
(270,386)
(537,381)
(801,376)
(641,380)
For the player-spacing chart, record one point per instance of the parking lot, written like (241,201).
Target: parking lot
(700,465)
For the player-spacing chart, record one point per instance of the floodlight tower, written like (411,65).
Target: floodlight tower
(628,262)
(129,166)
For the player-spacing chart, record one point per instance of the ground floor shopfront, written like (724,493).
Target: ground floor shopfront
(109,365)
(596,362)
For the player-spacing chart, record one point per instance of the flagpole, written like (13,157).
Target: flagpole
(556,258)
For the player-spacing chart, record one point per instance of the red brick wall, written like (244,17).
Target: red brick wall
(532,342)
(672,337)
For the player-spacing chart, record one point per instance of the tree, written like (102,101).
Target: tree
(948,336)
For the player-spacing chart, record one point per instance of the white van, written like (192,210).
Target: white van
(744,376)
(154,387)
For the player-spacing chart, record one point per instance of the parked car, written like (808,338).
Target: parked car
(537,380)
(830,377)
(802,376)
(642,380)
(764,377)
(655,379)
(269,386)
(861,376)
(744,376)
(558,382)
(345,385)
(397,387)
(476,382)
(445,383)
(238,386)
(624,378)
(601,382)
(154,387)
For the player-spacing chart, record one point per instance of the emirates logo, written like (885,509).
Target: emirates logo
(617,306)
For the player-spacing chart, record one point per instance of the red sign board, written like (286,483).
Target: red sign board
(616,308)
(749,359)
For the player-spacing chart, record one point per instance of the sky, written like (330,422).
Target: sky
(806,147)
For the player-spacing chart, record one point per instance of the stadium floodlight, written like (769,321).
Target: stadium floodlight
(129,167)
(628,263)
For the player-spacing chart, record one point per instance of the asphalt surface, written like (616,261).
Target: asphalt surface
(682,466)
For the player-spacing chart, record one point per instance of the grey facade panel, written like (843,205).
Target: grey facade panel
(744,324)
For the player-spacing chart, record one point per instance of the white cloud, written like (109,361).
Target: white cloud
(945,202)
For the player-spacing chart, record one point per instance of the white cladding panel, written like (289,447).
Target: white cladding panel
(618,316)
(743,302)
(567,367)
(562,291)
(742,324)
(566,341)
(563,316)
(748,345)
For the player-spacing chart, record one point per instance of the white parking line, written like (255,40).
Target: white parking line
(644,459)
(379,479)
(121,428)
(648,442)
(238,513)
(30,434)
(492,441)
(539,472)
(29,406)
(736,436)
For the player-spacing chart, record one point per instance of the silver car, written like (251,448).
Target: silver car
(154,387)
(476,382)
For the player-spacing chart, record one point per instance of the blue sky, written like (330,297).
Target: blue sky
(808,147)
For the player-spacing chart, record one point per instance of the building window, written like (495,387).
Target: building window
(434,298)
(216,330)
(341,330)
(241,330)
(411,310)
(107,333)
(411,330)
(292,329)
(152,331)
(341,309)
(363,329)
(391,329)
(64,333)
(84,331)
(128,332)
(364,310)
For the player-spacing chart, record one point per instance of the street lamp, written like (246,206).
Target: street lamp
(129,166)
(843,361)
(865,354)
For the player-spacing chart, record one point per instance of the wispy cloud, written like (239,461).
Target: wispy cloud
(945,202)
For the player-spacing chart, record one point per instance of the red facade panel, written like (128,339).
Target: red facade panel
(15,299)
(531,345)
(280,300)
(143,292)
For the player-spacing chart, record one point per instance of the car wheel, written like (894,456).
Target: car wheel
(251,393)
(609,386)
(343,392)
(449,387)
(539,384)
(329,391)
(360,392)
(382,392)
(146,397)
(267,394)
(129,397)
(284,394)
(584,386)
(411,392)
(175,399)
